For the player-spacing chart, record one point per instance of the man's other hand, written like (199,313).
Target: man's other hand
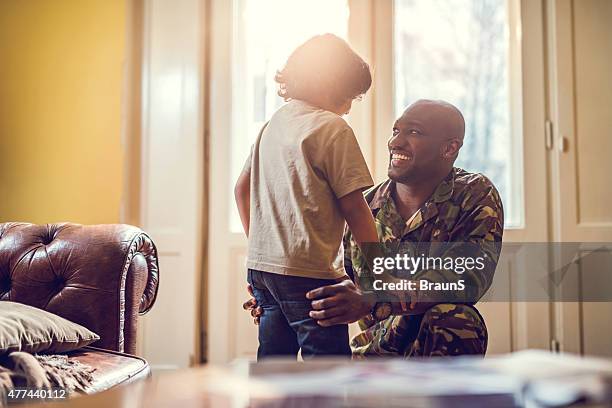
(341,303)
(251,305)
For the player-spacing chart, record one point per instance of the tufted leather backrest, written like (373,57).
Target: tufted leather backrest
(99,276)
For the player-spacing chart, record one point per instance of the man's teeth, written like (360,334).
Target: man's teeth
(398,156)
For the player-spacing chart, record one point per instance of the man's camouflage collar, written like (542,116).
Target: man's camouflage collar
(443,192)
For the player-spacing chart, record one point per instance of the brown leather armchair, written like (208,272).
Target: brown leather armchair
(99,276)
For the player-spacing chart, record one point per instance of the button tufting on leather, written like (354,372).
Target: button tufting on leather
(47,238)
(60,283)
(5,285)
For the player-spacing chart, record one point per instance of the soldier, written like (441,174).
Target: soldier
(425,200)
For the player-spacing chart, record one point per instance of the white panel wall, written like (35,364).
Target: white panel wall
(580,42)
(172,174)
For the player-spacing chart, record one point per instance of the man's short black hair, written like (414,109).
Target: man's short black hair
(325,66)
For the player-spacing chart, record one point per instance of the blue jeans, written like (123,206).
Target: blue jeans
(285,326)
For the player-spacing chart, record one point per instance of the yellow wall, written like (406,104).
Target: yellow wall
(61,73)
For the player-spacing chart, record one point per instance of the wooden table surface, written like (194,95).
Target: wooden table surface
(321,383)
(234,385)
(204,386)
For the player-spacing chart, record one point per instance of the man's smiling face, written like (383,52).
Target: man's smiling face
(421,143)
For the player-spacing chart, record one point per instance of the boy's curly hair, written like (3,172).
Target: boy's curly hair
(325,66)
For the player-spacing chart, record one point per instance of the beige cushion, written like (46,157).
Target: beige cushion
(26,328)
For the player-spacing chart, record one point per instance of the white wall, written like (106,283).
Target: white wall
(172,174)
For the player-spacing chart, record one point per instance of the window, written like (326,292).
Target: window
(265,33)
(462,51)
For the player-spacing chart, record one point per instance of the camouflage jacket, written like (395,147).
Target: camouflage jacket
(465,207)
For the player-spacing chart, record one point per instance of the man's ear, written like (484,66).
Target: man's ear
(451,148)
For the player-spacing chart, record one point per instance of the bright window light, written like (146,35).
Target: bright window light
(461,51)
(265,34)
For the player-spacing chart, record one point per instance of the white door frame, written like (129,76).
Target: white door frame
(172,154)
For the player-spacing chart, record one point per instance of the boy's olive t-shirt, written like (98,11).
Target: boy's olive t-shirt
(303,161)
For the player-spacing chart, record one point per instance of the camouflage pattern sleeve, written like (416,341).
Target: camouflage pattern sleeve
(464,213)
(348,262)
(477,233)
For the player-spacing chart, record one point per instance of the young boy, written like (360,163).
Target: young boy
(303,180)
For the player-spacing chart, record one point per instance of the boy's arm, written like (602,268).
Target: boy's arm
(242,194)
(360,221)
(359,218)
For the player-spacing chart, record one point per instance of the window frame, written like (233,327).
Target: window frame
(382,33)
(370,33)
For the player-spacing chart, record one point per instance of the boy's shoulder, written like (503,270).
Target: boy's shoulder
(310,117)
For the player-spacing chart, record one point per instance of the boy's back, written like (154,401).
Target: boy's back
(302,181)
(305,159)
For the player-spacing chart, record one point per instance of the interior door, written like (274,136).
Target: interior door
(580,41)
